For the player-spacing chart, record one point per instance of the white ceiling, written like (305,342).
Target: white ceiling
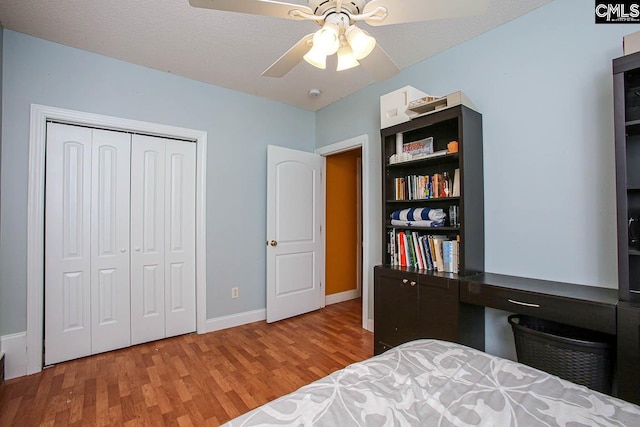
(233,49)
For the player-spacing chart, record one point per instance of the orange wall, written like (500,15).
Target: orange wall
(341,274)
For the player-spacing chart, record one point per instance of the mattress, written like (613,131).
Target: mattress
(438,383)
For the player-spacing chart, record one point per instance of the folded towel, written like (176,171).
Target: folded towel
(418,214)
(419,223)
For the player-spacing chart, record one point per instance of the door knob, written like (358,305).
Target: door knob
(123,250)
(272,243)
(137,248)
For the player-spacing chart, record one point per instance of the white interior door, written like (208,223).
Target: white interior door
(67,329)
(294,246)
(180,237)
(110,299)
(147,239)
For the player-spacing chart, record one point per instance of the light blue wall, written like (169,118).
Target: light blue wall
(239,128)
(543,84)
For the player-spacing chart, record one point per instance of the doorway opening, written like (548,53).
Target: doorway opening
(370,245)
(343,221)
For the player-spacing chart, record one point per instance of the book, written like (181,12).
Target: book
(424,244)
(447,256)
(419,255)
(456,256)
(412,260)
(456,183)
(401,251)
(437,248)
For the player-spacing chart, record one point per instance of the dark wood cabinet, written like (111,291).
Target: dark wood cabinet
(410,305)
(628,354)
(626,108)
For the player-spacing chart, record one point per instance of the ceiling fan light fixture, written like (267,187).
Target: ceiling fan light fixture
(361,42)
(316,57)
(346,60)
(327,38)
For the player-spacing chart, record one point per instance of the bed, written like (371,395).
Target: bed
(438,383)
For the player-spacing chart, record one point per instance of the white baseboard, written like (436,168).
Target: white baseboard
(14,347)
(342,296)
(232,320)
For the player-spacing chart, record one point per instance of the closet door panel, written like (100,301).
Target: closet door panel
(147,238)
(67,328)
(110,291)
(180,190)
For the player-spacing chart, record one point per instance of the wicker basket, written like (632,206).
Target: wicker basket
(579,355)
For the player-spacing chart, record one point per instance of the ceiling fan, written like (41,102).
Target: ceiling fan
(338,32)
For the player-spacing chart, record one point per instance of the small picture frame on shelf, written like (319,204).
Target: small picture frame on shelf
(420,147)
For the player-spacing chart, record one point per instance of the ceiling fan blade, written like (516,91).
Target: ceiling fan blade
(290,59)
(256,7)
(379,64)
(401,11)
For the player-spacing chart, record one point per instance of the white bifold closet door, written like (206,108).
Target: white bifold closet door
(119,240)
(162,238)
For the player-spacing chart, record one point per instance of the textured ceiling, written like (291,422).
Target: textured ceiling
(232,49)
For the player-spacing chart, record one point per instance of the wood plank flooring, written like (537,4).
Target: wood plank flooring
(191,380)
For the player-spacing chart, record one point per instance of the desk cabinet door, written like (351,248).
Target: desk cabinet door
(396,309)
(629,352)
(438,308)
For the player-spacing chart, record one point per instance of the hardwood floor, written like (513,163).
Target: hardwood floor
(200,380)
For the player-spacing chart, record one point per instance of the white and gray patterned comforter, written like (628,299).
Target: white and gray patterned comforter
(437,383)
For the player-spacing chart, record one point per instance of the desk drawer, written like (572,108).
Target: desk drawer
(576,312)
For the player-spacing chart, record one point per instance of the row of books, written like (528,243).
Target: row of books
(423,251)
(420,187)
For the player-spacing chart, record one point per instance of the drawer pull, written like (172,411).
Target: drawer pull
(413,283)
(405,281)
(526,304)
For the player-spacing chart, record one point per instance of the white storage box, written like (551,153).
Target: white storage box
(393,105)
(631,43)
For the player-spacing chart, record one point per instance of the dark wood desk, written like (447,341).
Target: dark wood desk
(587,307)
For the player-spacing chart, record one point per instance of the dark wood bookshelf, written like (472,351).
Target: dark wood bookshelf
(412,303)
(626,116)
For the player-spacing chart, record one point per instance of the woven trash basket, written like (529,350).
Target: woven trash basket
(578,355)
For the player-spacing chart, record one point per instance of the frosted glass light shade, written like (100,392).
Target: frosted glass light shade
(316,57)
(346,59)
(361,42)
(327,39)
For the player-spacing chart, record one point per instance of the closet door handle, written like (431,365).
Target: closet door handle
(137,248)
(123,250)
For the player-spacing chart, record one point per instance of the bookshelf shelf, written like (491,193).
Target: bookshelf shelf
(432,200)
(431,230)
(448,158)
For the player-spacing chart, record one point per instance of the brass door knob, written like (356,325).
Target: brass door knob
(272,243)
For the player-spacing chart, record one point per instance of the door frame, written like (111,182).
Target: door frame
(367,238)
(40,114)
